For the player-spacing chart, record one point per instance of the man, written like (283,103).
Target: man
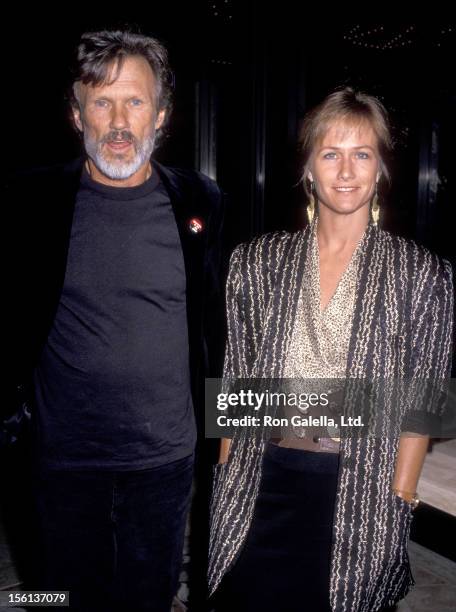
(116,287)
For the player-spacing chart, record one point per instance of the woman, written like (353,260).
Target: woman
(321,523)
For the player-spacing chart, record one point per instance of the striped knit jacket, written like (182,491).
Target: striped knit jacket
(402,326)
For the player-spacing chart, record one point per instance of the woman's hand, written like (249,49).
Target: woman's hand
(224,450)
(410,458)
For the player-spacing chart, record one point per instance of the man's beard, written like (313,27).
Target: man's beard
(119,169)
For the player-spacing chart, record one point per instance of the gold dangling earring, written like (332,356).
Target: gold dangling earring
(375,208)
(310,210)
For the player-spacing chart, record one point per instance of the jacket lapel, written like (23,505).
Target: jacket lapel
(190,212)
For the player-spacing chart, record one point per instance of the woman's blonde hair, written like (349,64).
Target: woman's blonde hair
(354,108)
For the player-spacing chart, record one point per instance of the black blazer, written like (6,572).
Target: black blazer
(39,209)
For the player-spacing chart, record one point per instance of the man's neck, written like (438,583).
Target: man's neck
(138,178)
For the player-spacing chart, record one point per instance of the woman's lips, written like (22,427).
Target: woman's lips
(345,189)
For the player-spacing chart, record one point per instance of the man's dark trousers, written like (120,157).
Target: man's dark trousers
(114,539)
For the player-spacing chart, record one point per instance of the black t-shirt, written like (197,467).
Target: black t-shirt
(113,383)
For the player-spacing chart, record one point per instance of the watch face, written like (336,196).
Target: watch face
(414,501)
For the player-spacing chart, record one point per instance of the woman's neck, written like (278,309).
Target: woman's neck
(340,233)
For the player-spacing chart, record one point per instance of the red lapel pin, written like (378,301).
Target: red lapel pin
(195,225)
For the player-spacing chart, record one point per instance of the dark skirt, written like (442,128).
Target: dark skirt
(285,561)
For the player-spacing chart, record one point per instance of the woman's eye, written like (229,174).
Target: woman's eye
(136,102)
(101,103)
(362,155)
(329,156)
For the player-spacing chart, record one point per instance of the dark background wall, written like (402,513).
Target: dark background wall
(245,75)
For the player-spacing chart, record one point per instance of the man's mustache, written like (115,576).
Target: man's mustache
(118,136)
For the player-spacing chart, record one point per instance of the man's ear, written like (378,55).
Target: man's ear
(76,112)
(160,119)
(76,106)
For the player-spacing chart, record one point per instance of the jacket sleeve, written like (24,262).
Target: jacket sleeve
(238,353)
(15,411)
(252,278)
(237,345)
(433,325)
(432,352)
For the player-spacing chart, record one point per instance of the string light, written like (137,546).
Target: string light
(222,9)
(444,32)
(379,38)
(221,62)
